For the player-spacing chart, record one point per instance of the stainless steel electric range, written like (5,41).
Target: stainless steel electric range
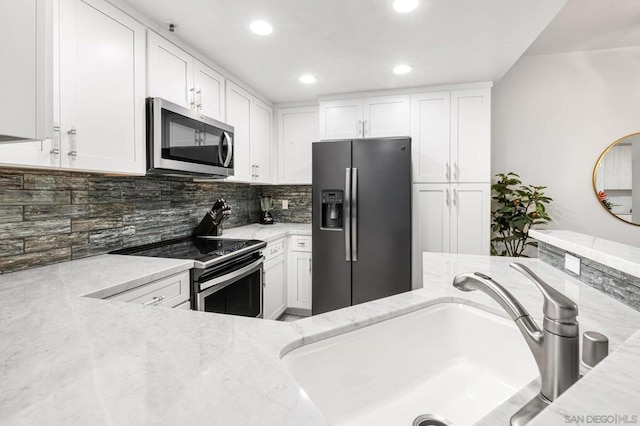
(227,274)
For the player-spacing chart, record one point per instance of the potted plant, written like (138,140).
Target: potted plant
(517,208)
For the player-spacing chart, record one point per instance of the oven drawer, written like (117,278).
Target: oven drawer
(273,250)
(170,292)
(301,243)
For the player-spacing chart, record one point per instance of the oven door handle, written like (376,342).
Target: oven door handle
(231,276)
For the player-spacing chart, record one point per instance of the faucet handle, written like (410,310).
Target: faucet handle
(557,306)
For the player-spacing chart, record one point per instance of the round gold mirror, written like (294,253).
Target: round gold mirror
(616,179)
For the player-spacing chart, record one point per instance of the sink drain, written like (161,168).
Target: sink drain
(431,420)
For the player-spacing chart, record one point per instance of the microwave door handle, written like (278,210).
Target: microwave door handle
(230,154)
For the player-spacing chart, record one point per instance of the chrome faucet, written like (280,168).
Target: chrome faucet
(555,348)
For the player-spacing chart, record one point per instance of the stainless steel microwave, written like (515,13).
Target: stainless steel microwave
(184,142)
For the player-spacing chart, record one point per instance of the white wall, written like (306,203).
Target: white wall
(552,117)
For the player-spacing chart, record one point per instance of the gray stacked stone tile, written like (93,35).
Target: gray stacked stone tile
(617,284)
(54,216)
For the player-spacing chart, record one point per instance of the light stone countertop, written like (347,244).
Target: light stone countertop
(267,233)
(615,255)
(73,360)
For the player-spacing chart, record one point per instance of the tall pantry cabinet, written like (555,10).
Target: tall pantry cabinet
(451,140)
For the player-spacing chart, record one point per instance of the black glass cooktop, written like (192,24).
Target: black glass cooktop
(201,249)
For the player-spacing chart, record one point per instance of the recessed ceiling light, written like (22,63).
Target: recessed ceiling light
(402,69)
(308,79)
(261,27)
(404,6)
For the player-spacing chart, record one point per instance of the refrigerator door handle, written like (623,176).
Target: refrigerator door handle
(347,214)
(354,216)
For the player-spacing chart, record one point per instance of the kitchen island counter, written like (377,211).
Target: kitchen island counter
(75,360)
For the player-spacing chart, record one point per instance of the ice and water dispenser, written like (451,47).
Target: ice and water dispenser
(332,209)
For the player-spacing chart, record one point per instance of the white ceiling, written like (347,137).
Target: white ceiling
(590,25)
(353,45)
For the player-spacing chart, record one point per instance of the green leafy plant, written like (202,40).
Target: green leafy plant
(517,208)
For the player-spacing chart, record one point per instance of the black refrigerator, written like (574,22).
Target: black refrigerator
(361,221)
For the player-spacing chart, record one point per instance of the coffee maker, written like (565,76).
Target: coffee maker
(266,205)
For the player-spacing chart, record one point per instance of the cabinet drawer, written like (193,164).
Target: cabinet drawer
(301,243)
(170,292)
(274,249)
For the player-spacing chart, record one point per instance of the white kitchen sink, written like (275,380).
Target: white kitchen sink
(453,360)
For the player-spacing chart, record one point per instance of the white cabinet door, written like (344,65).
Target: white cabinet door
(386,116)
(471,135)
(297,130)
(170,74)
(299,282)
(431,219)
(25,74)
(261,136)
(209,86)
(430,118)
(341,119)
(274,297)
(239,115)
(102,75)
(471,218)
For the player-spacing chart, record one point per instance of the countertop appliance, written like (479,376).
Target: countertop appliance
(266,205)
(361,221)
(184,142)
(227,276)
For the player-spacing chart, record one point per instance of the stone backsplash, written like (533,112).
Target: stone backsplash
(49,216)
(299,197)
(617,284)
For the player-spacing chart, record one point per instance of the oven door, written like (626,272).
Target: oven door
(234,289)
(182,140)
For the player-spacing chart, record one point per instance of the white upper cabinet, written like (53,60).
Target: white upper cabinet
(26,73)
(386,116)
(261,137)
(372,117)
(175,75)
(209,87)
(297,130)
(252,121)
(451,136)
(239,115)
(102,75)
(430,130)
(471,135)
(170,71)
(341,119)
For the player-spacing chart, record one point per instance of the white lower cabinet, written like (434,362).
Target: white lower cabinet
(300,265)
(274,298)
(450,218)
(171,292)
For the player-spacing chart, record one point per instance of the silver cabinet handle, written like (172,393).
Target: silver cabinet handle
(73,143)
(365,126)
(455,197)
(310,266)
(354,216)
(447,173)
(193,97)
(347,214)
(447,197)
(455,171)
(154,301)
(55,142)
(199,99)
(359,127)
